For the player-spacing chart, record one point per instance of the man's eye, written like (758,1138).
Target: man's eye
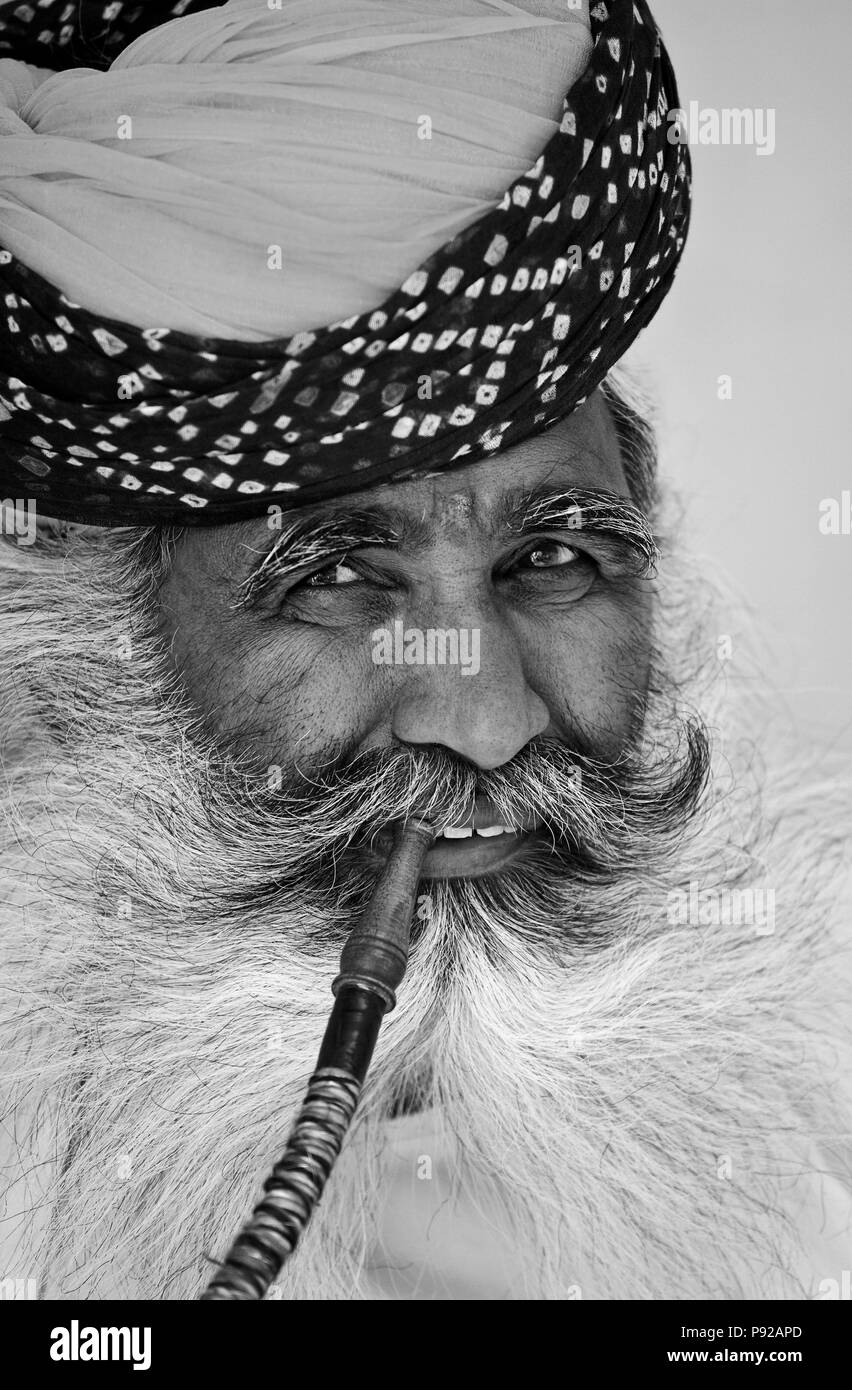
(336,575)
(556,568)
(551,555)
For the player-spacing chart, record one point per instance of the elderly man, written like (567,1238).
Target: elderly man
(343,513)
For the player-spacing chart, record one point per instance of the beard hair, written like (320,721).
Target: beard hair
(633,1099)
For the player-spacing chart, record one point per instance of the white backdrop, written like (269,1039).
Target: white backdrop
(763,295)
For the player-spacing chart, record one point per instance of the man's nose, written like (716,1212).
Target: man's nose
(486,716)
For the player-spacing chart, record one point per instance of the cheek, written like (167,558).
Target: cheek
(593,671)
(276,699)
(269,693)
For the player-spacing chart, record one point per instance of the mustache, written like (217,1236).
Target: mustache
(599,814)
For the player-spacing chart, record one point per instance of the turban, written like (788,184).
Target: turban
(279,252)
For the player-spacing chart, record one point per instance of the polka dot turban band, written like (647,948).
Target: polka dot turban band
(506,326)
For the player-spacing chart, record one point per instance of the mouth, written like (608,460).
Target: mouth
(480,845)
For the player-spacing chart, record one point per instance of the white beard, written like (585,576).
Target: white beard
(641,1104)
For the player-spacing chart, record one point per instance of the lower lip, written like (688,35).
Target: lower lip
(473,857)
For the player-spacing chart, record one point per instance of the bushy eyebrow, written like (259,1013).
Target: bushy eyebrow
(618,522)
(314,538)
(311,538)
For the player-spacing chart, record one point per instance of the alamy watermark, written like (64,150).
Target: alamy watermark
(841,1288)
(726,125)
(17,1290)
(714,907)
(76,1343)
(432,646)
(835,517)
(18,519)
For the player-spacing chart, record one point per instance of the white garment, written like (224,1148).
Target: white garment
(437,1243)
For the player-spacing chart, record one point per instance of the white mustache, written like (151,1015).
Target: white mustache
(604,814)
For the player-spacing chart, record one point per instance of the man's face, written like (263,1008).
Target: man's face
(192,917)
(320,658)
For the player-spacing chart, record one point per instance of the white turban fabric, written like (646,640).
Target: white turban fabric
(252,171)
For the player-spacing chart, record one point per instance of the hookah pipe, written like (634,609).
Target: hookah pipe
(372,965)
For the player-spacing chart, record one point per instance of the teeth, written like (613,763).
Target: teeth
(454,832)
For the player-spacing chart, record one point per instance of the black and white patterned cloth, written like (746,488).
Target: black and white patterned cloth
(500,333)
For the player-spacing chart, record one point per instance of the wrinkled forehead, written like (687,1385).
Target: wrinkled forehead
(581,451)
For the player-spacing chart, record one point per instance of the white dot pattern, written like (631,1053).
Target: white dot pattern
(514,322)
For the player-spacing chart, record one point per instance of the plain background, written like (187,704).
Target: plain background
(763,295)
